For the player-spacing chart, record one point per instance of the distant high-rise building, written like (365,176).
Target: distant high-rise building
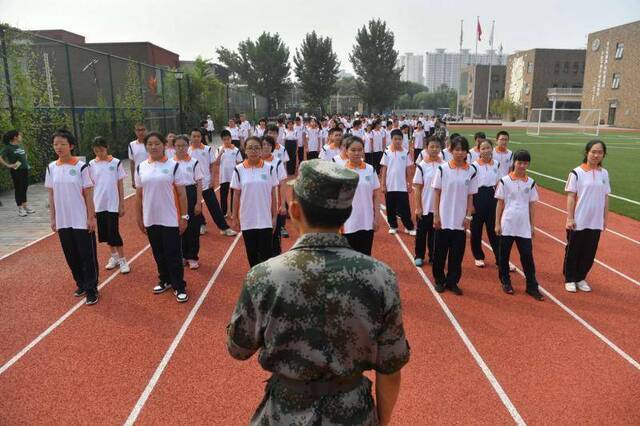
(413,68)
(443,68)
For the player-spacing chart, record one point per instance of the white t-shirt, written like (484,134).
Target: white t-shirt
(423,156)
(358,132)
(377,140)
(291,135)
(362,213)
(105,176)
(405,141)
(255,185)
(189,170)
(210,127)
(505,158)
(488,173)
(418,139)
(159,197)
(300,134)
(68,181)
(396,163)
(229,158)
(517,194)
(455,185)
(313,143)
(259,131)
(278,167)
(328,152)
(280,139)
(592,188)
(425,170)
(367,142)
(280,153)
(205,156)
(235,133)
(474,153)
(137,152)
(448,156)
(340,159)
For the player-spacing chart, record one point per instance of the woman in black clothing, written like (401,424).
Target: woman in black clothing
(14,156)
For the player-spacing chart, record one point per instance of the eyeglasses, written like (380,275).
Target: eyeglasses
(253,148)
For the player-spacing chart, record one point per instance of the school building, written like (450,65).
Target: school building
(474,87)
(612,79)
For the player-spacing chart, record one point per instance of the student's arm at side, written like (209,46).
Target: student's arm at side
(532,211)
(121,197)
(274,206)
(606,212)
(571,210)
(376,203)
(383,179)
(499,210)
(52,210)
(437,224)
(91,210)
(469,212)
(139,217)
(418,199)
(197,209)
(236,207)
(283,197)
(132,168)
(387,390)
(182,199)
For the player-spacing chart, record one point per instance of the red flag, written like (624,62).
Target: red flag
(479,31)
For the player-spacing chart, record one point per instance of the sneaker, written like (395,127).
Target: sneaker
(79,293)
(512,267)
(507,288)
(22,212)
(479,263)
(411,232)
(203,229)
(193,264)
(92,298)
(418,262)
(112,263)
(393,231)
(29,210)
(181,296)
(124,266)
(440,287)
(535,294)
(570,287)
(583,286)
(284,233)
(229,232)
(455,289)
(161,288)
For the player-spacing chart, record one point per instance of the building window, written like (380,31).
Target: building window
(556,68)
(619,50)
(495,78)
(615,83)
(565,69)
(576,67)
(555,85)
(529,67)
(526,88)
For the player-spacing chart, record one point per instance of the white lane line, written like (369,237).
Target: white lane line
(465,339)
(578,318)
(133,416)
(619,234)
(636,282)
(60,320)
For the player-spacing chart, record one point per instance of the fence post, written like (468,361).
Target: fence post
(228,99)
(141,92)
(7,77)
(113,100)
(164,111)
(71,98)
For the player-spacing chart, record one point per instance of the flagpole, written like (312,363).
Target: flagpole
(459,62)
(473,93)
(489,81)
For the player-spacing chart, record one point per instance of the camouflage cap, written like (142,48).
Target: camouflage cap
(325,184)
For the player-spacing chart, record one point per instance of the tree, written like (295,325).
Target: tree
(347,86)
(374,61)
(405,101)
(316,66)
(422,99)
(412,88)
(263,65)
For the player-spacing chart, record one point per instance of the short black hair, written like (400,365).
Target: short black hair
(99,141)
(590,145)
(430,139)
(479,135)
(273,128)
(396,132)
(268,139)
(350,140)
(459,141)
(195,129)
(356,123)
(182,138)
(502,132)
(64,133)
(262,120)
(157,135)
(321,217)
(9,136)
(335,129)
(224,133)
(521,155)
(489,141)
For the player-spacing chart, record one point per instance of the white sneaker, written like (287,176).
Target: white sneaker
(570,287)
(193,264)
(29,210)
(124,266)
(412,232)
(203,229)
(512,267)
(22,212)
(112,263)
(479,263)
(393,231)
(229,232)
(583,286)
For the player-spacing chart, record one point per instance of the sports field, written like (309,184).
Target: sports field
(554,155)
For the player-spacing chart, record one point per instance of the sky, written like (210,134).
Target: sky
(197,27)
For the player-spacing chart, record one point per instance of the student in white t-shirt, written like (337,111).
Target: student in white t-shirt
(342,157)
(136,151)
(260,130)
(191,176)
(291,146)
(162,214)
(396,184)
(361,225)
(484,203)
(108,175)
(313,139)
(454,184)
(418,137)
(268,147)
(234,130)
(333,147)
(366,138)
(72,214)
(169,150)
(502,154)
(422,179)
(301,135)
(588,190)
(255,207)
(227,157)
(516,194)
(378,144)
(478,137)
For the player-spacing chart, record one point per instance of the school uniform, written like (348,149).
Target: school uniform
(474,154)
(455,183)
(160,217)
(505,158)
(68,182)
(592,188)
(291,146)
(300,133)
(255,184)
(106,198)
(423,155)
(448,156)
(425,171)
(405,141)
(329,151)
(484,204)
(515,223)
(368,150)
(190,174)
(229,156)
(281,154)
(137,152)
(206,155)
(358,229)
(340,159)
(377,147)
(169,152)
(313,143)
(418,143)
(235,136)
(259,131)
(397,197)
(281,175)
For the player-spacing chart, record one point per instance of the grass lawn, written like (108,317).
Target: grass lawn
(557,154)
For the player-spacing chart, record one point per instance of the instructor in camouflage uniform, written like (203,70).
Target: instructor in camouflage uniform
(320,315)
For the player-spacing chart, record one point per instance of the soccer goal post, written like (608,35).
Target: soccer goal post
(551,121)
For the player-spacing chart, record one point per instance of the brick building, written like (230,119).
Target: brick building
(540,78)
(612,79)
(474,81)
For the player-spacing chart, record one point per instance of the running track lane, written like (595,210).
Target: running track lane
(95,364)
(212,388)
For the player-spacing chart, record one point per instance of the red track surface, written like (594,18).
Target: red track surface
(95,365)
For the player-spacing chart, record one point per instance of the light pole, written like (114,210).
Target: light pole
(179,76)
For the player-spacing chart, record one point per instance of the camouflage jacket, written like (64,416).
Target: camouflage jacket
(319,311)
